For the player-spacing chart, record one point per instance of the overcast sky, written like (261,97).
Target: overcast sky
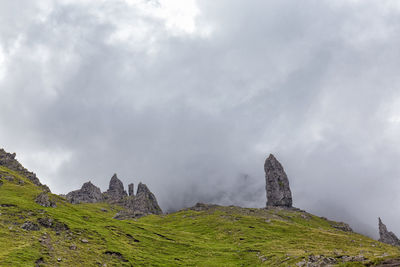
(190,97)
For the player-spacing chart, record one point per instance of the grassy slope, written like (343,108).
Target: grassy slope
(219,236)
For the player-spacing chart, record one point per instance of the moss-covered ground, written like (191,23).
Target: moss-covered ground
(211,236)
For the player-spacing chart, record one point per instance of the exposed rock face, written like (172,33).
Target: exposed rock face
(89,193)
(277,184)
(130,189)
(8,160)
(116,190)
(44,200)
(144,203)
(387,237)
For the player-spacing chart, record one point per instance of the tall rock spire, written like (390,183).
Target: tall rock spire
(130,189)
(115,190)
(277,184)
(387,237)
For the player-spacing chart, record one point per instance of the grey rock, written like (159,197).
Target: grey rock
(387,237)
(342,226)
(115,192)
(144,203)
(89,193)
(130,189)
(8,160)
(53,224)
(30,226)
(277,184)
(44,200)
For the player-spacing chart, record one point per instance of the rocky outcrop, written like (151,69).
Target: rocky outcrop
(8,160)
(130,189)
(144,203)
(277,184)
(89,193)
(30,226)
(44,200)
(387,237)
(115,192)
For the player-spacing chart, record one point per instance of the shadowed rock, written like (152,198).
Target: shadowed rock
(277,184)
(89,193)
(387,237)
(115,192)
(130,189)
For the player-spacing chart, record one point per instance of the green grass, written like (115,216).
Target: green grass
(218,236)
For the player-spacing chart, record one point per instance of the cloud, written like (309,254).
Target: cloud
(192,102)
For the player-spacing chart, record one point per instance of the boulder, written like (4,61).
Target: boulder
(387,237)
(277,184)
(89,193)
(44,200)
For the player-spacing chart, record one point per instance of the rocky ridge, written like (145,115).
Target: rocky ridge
(387,237)
(8,160)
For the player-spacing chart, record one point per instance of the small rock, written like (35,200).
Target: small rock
(44,200)
(84,241)
(30,226)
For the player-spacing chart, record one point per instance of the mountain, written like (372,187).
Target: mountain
(38,228)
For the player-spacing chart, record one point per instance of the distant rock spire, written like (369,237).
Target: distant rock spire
(115,190)
(277,184)
(387,237)
(144,203)
(130,189)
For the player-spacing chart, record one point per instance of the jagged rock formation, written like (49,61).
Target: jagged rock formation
(115,192)
(387,237)
(143,203)
(277,184)
(130,189)
(89,193)
(44,200)
(8,160)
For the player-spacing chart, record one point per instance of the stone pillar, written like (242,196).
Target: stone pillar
(130,189)
(277,184)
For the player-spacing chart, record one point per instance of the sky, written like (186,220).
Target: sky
(190,97)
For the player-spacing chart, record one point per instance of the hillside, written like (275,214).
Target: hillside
(205,235)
